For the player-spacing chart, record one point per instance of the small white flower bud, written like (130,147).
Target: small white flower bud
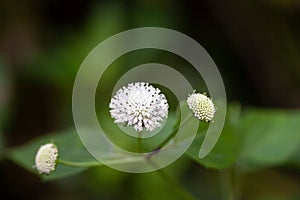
(45,158)
(202,107)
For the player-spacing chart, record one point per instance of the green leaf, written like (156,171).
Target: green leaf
(224,153)
(271,137)
(69,146)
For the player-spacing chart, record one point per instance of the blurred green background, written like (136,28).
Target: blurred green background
(255,44)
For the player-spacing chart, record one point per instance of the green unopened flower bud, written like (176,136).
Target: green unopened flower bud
(202,107)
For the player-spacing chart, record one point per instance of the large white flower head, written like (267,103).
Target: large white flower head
(45,158)
(202,107)
(139,105)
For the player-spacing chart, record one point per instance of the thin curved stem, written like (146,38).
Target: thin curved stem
(97,163)
(185,120)
(174,132)
(79,164)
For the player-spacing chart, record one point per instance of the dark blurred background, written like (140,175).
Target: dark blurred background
(255,44)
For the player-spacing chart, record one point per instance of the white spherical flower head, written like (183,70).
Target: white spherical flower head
(45,159)
(139,105)
(202,107)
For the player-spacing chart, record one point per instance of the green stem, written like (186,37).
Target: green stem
(79,164)
(175,186)
(230,184)
(226,185)
(185,121)
(139,143)
(97,163)
(174,132)
(237,183)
